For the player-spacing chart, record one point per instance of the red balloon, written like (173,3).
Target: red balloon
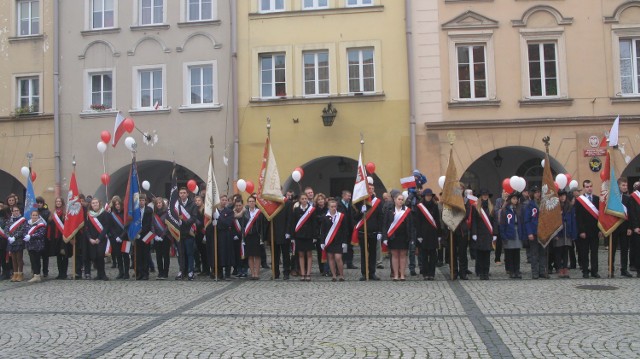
(568,178)
(506,185)
(371,168)
(250,187)
(105,136)
(128,125)
(105,179)
(299,169)
(33,176)
(557,187)
(191,185)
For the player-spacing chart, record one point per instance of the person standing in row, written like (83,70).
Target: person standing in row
(371,212)
(622,234)
(15,229)
(35,244)
(282,244)
(96,229)
(202,265)
(143,245)
(223,223)
(321,208)
(538,253)
(162,241)
(399,232)
(63,250)
(303,228)
(47,251)
(344,206)
(334,234)
(253,236)
(511,228)
(483,233)
(428,233)
(567,235)
(188,213)
(240,261)
(588,232)
(117,235)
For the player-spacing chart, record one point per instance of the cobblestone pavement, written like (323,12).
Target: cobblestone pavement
(499,318)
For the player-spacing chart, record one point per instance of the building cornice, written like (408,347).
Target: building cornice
(317,12)
(529,122)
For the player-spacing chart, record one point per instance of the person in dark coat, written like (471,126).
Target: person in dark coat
(223,222)
(374,219)
(116,236)
(282,248)
(187,240)
(622,234)
(482,233)
(304,229)
(344,206)
(567,235)
(428,232)
(162,240)
(35,243)
(96,230)
(512,230)
(47,251)
(398,233)
(588,231)
(15,229)
(254,229)
(62,250)
(241,262)
(143,249)
(537,252)
(334,234)
(322,207)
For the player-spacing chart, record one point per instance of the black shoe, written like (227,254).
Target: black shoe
(439,264)
(120,276)
(380,266)
(191,276)
(413,273)
(351,266)
(595,275)
(152,270)
(585,275)
(362,279)
(374,277)
(286,276)
(114,265)
(78,277)
(572,266)
(468,272)
(45,275)
(484,277)
(464,277)
(624,273)
(179,276)
(105,278)
(265,266)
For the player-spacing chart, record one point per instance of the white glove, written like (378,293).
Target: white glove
(494,238)
(159,239)
(364,208)
(12,239)
(214,223)
(287,236)
(322,246)
(204,240)
(216,214)
(315,241)
(386,243)
(344,248)
(119,240)
(379,236)
(27,238)
(235,238)
(474,237)
(439,239)
(420,240)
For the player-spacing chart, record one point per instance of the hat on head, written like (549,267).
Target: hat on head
(514,194)
(534,189)
(562,192)
(483,191)
(369,180)
(427,192)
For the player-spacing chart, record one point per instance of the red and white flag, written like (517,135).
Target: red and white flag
(361,188)
(270,199)
(408,182)
(74,217)
(118,129)
(125,247)
(212,197)
(107,251)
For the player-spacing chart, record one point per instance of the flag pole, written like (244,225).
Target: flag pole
(75,254)
(273,265)
(215,228)
(611,255)
(451,234)
(364,219)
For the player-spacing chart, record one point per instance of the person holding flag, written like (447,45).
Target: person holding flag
(399,231)
(428,232)
(16,229)
(145,238)
(587,213)
(483,233)
(513,233)
(35,243)
(222,221)
(254,230)
(334,234)
(622,234)
(96,230)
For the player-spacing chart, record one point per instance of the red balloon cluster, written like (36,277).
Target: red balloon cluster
(128,124)
(105,136)
(33,176)
(250,187)
(192,185)
(105,179)
(506,185)
(371,168)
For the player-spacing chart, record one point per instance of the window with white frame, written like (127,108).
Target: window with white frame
(543,69)
(271,5)
(28,94)
(102,14)
(630,66)
(472,71)
(361,70)
(202,91)
(272,75)
(316,72)
(101,87)
(151,12)
(355,3)
(28,17)
(315,4)
(200,10)
(150,89)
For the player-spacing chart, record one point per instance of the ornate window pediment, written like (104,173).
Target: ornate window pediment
(470,20)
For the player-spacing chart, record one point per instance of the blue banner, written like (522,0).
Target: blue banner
(133,205)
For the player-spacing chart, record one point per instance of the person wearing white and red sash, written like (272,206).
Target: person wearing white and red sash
(399,232)
(63,250)
(35,244)
(188,214)
(374,218)
(344,206)
(254,228)
(483,233)
(622,234)
(428,232)
(321,206)
(45,213)
(588,232)
(143,244)
(15,229)
(634,242)
(162,241)
(304,229)
(282,250)
(200,256)
(241,262)
(96,230)
(334,235)
(118,236)
(512,232)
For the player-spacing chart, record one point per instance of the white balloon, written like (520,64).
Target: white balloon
(24,171)
(102,147)
(296,175)
(517,183)
(561,180)
(196,190)
(405,194)
(129,142)
(441,181)
(146,185)
(242,185)
(573,185)
(542,163)
(522,184)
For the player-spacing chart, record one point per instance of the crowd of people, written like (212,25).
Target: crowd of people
(232,244)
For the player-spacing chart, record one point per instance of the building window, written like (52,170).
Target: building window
(543,69)
(102,14)
(272,76)
(361,70)
(151,12)
(472,71)
(101,91)
(271,5)
(314,4)
(316,73)
(355,3)
(200,10)
(28,17)
(150,88)
(201,85)
(28,94)
(630,66)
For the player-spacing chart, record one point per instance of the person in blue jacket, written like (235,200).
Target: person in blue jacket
(565,238)
(538,251)
(512,230)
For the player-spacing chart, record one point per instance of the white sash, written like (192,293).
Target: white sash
(33,229)
(96,223)
(337,221)
(58,222)
(584,201)
(252,220)
(16,224)
(398,218)
(486,220)
(427,215)
(303,219)
(149,237)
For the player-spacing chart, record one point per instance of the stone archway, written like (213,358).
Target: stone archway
(330,175)
(490,169)
(10,184)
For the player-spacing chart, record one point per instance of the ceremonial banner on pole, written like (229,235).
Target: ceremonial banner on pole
(361,188)
(74,215)
(173,220)
(612,211)
(132,203)
(453,211)
(212,197)
(30,199)
(270,199)
(550,213)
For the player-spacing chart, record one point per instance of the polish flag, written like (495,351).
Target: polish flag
(126,247)
(156,105)
(107,251)
(118,130)
(408,182)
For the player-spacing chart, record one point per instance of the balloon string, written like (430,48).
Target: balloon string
(106,185)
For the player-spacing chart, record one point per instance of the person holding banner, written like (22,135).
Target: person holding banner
(116,235)
(253,235)
(344,206)
(428,233)
(512,230)
(483,233)
(538,253)
(55,229)
(372,209)
(96,230)
(240,267)
(304,229)
(16,228)
(567,235)
(188,212)
(224,250)
(587,213)
(398,233)
(45,213)
(145,238)
(35,244)
(334,234)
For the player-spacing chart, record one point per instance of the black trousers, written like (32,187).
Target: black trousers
(142,254)
(483,259)
(460,261)
(562,257)
(372,244)
(283,250)
(319,256)
(348,257)
(624,241)
(201,256)
(4,264)
(45,262)
(634,250)
(123,260)
(429,259)
(512,257)
(588,253)
(35,256)
(498,254)
(163,257)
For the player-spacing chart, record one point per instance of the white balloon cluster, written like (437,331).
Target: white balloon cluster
(130,143)
(242,185)
(146,185)
(518,183)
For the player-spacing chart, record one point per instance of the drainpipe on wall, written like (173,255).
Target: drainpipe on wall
(56,98)
(412,112)
(234,87)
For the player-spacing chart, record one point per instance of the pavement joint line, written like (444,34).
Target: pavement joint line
(153,323)
(496,348)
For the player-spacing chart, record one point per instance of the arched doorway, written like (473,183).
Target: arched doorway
(10,184)
(158,173)
(632,172)
(330,175)
(489,170)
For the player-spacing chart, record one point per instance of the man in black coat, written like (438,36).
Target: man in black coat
(187,240)
(344,206)
(588,232)
(282,245)
(375,215)
(142,248)
(622,234)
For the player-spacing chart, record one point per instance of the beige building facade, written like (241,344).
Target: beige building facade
(26,96)
(495,79)
(163,63)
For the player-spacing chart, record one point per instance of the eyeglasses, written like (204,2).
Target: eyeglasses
(15,211)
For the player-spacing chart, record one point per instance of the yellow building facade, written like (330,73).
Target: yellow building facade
(298,60)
